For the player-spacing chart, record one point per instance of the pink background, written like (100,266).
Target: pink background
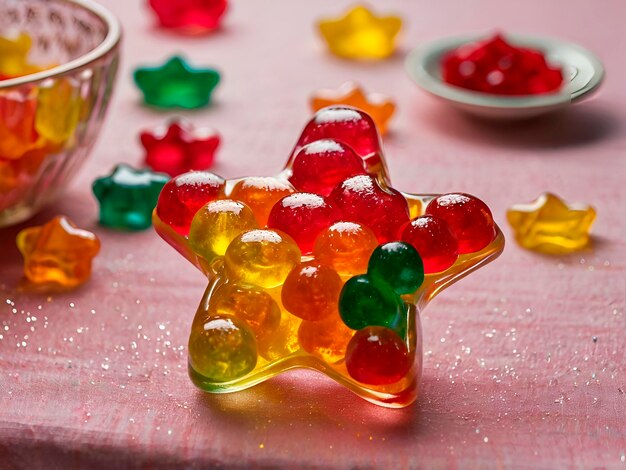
(512,375)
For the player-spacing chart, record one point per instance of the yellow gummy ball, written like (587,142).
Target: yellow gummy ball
(261,257)
(222,348)
(216,224)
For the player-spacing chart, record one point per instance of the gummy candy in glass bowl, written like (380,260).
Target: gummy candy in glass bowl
(582,74)
(332,280)
(58,65)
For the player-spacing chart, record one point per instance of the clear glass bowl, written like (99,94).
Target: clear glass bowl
(49,119)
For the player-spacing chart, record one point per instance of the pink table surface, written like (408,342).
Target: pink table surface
(513,376)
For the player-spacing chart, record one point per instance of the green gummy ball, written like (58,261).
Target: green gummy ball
(397,264)
(363,302)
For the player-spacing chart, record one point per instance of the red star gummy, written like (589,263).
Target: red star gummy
(190,16)
(497,67)
(179,148)
(319,266)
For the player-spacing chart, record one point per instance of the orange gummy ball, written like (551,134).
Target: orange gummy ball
(249,303)
(260,194)
(346,246)
(311,291)
(327,339)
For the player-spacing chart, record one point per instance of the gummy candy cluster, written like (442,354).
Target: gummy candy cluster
(497,67)
(322,262)
(35,120)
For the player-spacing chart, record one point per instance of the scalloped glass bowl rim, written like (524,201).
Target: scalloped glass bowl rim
(110,41)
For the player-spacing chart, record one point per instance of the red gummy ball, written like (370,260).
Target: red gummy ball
(319,166)
(468,217)
(183,196)
(303,216)
(362,199)
(433,240)
(377,356)
(189,15)
(348,125)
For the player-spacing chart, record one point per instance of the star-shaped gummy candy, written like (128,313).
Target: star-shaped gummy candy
(378,106)
(176,84)
(57,254)
(14,56)
(179,147)
(550,225)
(127,197)
(189,16)
(360,34)
(322,266)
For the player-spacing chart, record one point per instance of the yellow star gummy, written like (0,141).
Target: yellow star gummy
(13,55)
(378,106)
(360,34)
(550,225)
(57,254)
(58,110)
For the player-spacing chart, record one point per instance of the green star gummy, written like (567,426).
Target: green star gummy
(176,84)
(128,196)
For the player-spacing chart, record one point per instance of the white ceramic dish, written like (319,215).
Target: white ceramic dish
(583,73)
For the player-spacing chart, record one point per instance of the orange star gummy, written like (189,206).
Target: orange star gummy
(360,34)
(378,106)
(57,254)
(550,225)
